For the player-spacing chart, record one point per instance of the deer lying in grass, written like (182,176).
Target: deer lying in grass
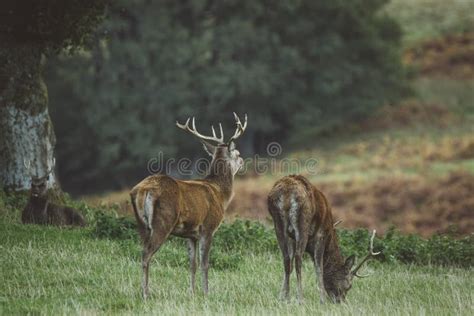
(191,209)
(303,222)
(39,210)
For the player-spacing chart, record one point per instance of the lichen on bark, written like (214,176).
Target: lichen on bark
(26,132)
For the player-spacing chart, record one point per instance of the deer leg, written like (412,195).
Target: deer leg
(287,264)
(319,266)
(204,247)
(299,251)
(146,257)
(155,241)
(148,252)
(192,245)
(286,248)
(291,253)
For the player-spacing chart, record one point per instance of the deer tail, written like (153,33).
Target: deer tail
(142,202)
(148,211)
(294,214)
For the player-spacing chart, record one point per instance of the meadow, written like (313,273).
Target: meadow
(49,270)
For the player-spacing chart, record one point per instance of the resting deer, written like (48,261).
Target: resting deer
(191,209)
(39,210)
(303,222)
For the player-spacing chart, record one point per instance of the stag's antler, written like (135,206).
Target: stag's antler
(240,129)
(337,223)
(185,126)
(219,140)
(370,255)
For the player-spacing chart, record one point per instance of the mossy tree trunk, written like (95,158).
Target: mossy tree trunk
(26,132)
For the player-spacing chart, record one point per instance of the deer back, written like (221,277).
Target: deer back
(191,203)
(201,201)
(306,211)
(64,216)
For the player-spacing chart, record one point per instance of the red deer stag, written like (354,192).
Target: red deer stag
(191,209)
(303,222)
(39,210)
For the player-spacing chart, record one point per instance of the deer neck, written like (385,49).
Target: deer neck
(224,179)
(332,254)
(38,201)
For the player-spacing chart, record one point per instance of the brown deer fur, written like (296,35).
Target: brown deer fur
(39,210)
(191,209)
(304,222)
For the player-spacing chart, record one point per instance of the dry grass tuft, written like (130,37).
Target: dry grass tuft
(450,56)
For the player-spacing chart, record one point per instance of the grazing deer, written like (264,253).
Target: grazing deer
(191,209)
(303,222)
(39,210)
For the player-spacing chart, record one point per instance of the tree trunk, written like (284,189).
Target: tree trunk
(26,132)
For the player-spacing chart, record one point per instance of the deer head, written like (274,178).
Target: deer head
(339,281)
(38,183)
(224,154)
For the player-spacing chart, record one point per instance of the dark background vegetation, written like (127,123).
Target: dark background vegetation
(379,92)
(299,69)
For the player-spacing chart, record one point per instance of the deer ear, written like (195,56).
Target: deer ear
(210,149)
(349,262)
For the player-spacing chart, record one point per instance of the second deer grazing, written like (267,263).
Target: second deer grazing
(191,209)
(39,210)
(303,222)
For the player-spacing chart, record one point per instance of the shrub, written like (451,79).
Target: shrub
(245,236)
(12,201)
(235,240)
(412,249)
(445,250)
(114,227)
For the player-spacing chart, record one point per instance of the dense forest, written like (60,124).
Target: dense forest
(299,69)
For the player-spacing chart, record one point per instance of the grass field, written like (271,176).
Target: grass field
(51,270)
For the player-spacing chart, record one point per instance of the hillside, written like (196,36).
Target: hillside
(410,165)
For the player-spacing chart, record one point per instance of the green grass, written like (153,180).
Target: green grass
(50,270)
(457,95)
(427,19)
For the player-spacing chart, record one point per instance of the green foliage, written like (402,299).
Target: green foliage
(439,249)
(11,201)
(297,68)
(242,238)
(245,236)
(114,227)
(49,25)
(411,249)
(11,204)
